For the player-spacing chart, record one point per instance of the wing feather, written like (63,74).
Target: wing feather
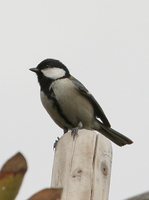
(97,108)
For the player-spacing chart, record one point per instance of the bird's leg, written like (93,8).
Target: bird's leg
(55,143)
(74,131)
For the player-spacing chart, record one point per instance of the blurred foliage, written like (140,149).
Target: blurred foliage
(48,194)
(11,176)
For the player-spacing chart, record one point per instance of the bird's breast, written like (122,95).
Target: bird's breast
(63,88)
(73,104)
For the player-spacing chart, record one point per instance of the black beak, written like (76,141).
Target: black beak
(34,70)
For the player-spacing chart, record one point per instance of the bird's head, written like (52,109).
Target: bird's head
(50,69)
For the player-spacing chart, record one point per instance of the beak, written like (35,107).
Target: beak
(34,70)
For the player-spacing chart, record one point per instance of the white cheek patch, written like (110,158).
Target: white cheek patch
(54,72)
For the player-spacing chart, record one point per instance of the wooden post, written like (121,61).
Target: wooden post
(82,166)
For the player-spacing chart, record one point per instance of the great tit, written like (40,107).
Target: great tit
(70,104)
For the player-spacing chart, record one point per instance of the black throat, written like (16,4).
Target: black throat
(44,83)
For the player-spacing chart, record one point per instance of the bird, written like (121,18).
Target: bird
(70,104)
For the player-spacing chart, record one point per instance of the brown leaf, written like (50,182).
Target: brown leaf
(48,194)
(11,176)
(15,164)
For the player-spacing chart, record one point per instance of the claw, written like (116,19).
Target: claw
(75,130)
(55,143)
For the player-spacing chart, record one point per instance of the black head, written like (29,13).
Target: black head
(48,71)
(51,69)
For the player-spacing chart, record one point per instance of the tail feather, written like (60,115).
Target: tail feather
(114,136)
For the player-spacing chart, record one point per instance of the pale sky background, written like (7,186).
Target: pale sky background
(105,44)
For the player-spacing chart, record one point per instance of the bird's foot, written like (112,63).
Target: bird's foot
(74,131)
(55,143)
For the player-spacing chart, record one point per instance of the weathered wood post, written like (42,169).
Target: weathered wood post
(82,166)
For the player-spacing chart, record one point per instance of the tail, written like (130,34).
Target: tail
(113,135)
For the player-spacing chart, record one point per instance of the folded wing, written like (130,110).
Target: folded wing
(97,108)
